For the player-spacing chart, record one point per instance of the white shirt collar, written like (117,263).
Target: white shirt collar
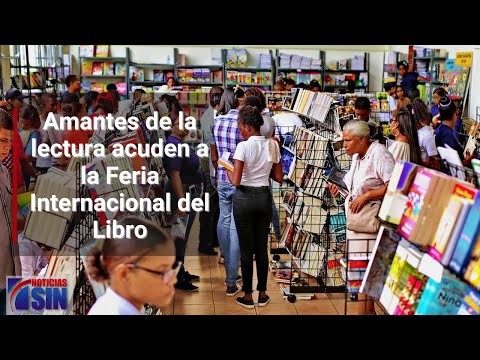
(254,138)
(112,303)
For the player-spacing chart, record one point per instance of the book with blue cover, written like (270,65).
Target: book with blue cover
(442,298)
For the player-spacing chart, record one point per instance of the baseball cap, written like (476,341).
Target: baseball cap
(14,93)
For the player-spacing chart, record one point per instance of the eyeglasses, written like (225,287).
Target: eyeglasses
(167,275)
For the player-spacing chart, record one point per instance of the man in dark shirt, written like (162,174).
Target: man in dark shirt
(409,79)
(73,89)
(184,177)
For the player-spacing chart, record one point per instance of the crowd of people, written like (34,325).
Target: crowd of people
(237,127)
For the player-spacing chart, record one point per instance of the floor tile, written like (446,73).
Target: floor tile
(319,307)
(277,309)
(233,309)
(195,263)
(221,298)
(197,298)
(194,310)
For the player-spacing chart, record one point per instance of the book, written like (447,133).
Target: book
(97,68)
(109,68)
(179,226)
(470,304)
(285,275)
(225,162)
(102,50)
(452,222)
(379,265)
(24,202)
(336,177)
(87,67)
(120,69)
(158,75)
(87,50)
(466,242)
(395,199)
(442,298)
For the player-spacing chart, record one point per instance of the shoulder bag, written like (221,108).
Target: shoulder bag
(364,221)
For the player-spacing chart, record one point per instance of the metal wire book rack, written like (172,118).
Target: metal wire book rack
(314,229)
(83,294)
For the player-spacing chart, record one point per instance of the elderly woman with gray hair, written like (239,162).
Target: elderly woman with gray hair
(367,180)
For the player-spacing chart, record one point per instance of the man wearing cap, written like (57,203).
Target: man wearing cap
(73,89)
(14,99)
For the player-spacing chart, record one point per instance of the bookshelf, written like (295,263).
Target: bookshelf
(153,74)
(247,76)
(390,61)
(301,73)
(46,74)
(356,69)
(429,63)
(95,72)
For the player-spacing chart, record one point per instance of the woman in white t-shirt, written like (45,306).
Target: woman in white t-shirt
(139,270)
(426,139)
(256,160)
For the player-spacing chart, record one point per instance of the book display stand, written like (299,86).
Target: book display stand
(314,231)
(427,262)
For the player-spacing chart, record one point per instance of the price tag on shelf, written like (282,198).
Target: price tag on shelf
(431,267)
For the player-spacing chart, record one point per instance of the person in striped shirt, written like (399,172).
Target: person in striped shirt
(226,135)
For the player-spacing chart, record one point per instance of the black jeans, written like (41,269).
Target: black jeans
(181,244)
(252,210)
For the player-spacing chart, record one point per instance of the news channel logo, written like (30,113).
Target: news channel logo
(37,296)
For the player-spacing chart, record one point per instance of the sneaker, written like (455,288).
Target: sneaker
(232,290)
(263,301)
(253,257)
(186,286)
(246,304)
(190,277)
(239,277)
(221,259)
